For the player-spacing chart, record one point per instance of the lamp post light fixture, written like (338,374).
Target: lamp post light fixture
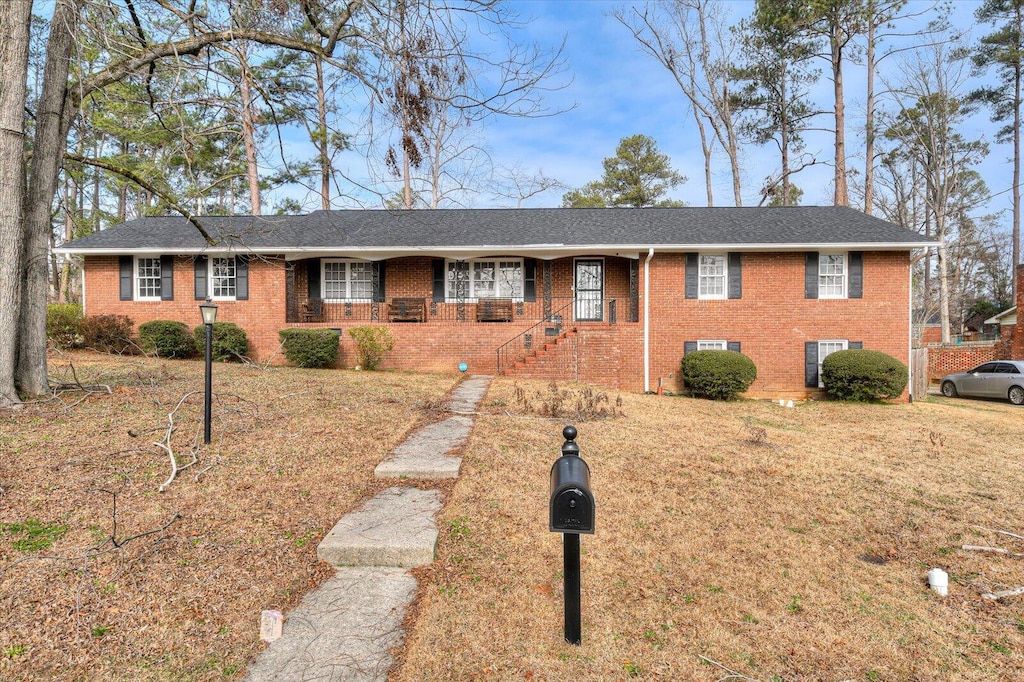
(209,312)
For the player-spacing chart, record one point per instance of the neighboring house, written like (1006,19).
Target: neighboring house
(609,296)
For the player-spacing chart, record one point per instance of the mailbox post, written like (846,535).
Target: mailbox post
(571,513)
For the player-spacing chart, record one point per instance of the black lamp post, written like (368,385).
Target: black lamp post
(209,312)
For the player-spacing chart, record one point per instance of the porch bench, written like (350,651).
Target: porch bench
(407,310)
(494,310)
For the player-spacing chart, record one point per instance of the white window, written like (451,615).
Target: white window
(486,279)
(222,278)
(711,276)
(712,345)
(826,348)
(147,278)
(832,275)
(347,280)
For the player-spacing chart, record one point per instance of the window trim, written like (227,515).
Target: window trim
(234,278)
(701,277)
(821,358)
(136,290)
(347,262)
(471,295)
(724,345)
(845,275)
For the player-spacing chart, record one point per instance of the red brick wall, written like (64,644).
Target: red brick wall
(261,316)
(943,360)
(773,319)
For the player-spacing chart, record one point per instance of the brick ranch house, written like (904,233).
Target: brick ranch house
(613,297)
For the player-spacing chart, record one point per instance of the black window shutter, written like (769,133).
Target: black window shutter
(811,364)
(166,278)
(313,277)
(811,278)
(689,347)
(855,345)
(735,275)
(378,267)
(242,278)
(126,268)
(438,266)
(691,275)
(733,345)
(200,269)
(529,279)
(856,274)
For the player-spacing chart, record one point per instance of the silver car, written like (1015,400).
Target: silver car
(999,379)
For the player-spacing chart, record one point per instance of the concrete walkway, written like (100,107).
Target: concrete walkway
(344,630)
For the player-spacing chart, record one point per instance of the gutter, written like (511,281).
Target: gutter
(647,321)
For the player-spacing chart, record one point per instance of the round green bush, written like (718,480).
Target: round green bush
(107,333)
(167,339)
(718,374)
(310,347)
(863,376)
(62,325)
(229,341)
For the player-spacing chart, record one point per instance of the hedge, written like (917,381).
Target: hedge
(863,375)
(167,339)
(229,341)
(718,374)
(62,320)
(310,347)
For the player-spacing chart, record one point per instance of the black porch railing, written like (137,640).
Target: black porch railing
(517,347)
(425,310)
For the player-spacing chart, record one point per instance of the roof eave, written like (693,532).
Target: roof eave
(536,250)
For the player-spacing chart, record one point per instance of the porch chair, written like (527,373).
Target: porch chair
(313,310)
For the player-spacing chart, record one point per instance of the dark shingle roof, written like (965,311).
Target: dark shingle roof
(550,229)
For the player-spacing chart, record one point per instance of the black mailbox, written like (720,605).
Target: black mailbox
(572,502)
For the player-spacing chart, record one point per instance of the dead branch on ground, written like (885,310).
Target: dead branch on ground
(166,445)
(1003,594)
(996,550)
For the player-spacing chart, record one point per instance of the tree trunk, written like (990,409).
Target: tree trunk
(324,141)
(869,123)
(249,132)
(53,121)
(732,149)
(842,196)
(1016,161)
(15,16)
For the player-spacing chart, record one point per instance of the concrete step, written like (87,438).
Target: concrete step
(344,630)
(394,528)
(423,454)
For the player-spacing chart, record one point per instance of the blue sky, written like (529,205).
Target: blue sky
(616,91)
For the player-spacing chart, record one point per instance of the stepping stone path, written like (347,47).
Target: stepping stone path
(344,630)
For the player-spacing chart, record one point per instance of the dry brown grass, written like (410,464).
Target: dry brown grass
(797,552)
(293,450)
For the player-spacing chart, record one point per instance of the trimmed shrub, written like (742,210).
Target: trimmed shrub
(62,325)
(863,376)
(718,374)
(167,338)
(372,344)
(229,341)
(310,347)
(107,333)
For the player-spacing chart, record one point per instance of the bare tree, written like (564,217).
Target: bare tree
(924,132)
(692,40)
(142,48)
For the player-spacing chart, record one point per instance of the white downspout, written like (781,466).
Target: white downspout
(647,321)
(910,332)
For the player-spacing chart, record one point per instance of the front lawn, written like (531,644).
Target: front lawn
(104,577)
(775,543)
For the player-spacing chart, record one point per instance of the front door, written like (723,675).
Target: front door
(589,290)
